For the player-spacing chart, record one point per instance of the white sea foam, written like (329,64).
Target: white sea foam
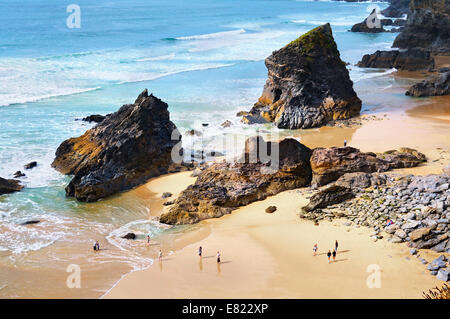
(222,34)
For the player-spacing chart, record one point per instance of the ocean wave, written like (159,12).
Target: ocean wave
(157,58)
(213,35)
(11,99)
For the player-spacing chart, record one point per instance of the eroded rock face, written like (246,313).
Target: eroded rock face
(223,187)
(439,85)
(333,194)
(396,9)
(308,84)
(8,186)
(364,26)
(328,164)
(428,26)
(126,149)
(410,60)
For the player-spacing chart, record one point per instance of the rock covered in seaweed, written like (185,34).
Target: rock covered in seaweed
(124,150)
(223,187)
(308,84)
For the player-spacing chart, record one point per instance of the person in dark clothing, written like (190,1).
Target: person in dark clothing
(336,244)
(334,255)
(329,256)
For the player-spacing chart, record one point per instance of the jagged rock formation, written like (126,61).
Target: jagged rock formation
(328,164)
(439,85)
(428,27)
(308,84)
(97,118)
(331,195)
(124,150)
(369,27)
(411,60)
(8,186)
(223,187)
(396,9)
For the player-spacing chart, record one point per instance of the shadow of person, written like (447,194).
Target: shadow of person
(225,262)
(338,260)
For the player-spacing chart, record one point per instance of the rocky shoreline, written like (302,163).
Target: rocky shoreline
(400,208)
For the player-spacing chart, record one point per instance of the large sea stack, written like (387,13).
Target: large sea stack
(223,187)
(124,150)
(308,84)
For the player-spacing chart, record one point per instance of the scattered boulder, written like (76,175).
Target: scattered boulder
(30,222)
(329,196)
(271,209)
(30,165)
(308,84)
(168,203)
(194,133)
(124,150)
(97,118)
(131,236)
(166,195)
(19,174)
(419,233)
(442,274)
(8,186)
(227,123)
(360,180)
(223,187)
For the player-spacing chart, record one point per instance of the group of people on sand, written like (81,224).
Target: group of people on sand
(200,252)
(329,254)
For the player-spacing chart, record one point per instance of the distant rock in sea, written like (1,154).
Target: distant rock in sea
(223,187)
(438,85)
(364,26)
(308,84)
(97,118)
(9,186)
(124,150)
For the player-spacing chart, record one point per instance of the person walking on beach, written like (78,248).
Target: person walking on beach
(148,240)
(345,142)
(218,257)
(336,244)
(334,255)
(315,249)
(200,252)
(96,246)
(329,256)
(160,255)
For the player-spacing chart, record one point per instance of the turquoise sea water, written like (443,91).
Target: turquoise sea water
(205,58)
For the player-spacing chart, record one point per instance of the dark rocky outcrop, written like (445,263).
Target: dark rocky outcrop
(30,222)
(166,195)
(18,174)
(436,86)
(126,149)
(428,26)
(131,236)
(396,9)
(360,180)
(97,118)
(411,60)
(308,84)
(9,186)
(331,195)
(30,165)
(328,164)
(425,35)
(223,187)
